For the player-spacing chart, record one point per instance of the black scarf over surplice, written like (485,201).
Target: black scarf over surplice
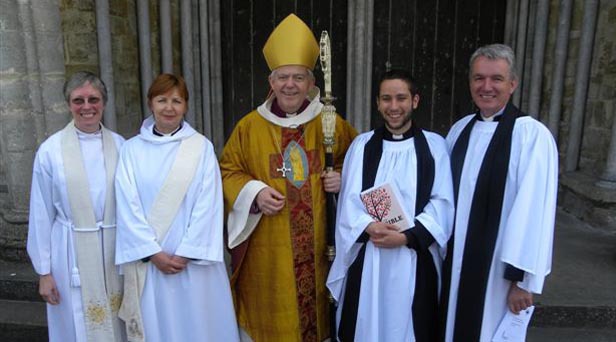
(483,226)
(425,300)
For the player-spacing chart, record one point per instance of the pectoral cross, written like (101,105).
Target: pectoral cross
(284,169)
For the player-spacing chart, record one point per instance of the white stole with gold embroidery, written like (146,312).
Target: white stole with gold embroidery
(161,216)
(101,286)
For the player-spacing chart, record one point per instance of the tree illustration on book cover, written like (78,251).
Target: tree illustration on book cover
(377,202)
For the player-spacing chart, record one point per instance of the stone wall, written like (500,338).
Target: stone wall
(601,100)
(38,51)
(601,103)
(31,108)
(578,191)
(81,53)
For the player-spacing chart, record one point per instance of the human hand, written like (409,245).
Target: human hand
(183,260)
(48,289)
(518,299)
(331,181)
(270,201)
(169,264)
(385,235)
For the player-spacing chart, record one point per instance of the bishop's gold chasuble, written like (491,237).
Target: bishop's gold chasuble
(279,283)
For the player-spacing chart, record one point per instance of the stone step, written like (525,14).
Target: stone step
(22,321)
(581,317)
(536,334)
(26,321)
(594,309)
(18,281)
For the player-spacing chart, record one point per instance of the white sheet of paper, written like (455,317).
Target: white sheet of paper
(513,327)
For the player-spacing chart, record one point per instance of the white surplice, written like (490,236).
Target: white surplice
(195,304)
(50,238)
(388,275)
(527,222)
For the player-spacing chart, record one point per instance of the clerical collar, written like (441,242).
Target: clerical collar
(282,114)
(496,117)
(161,134)
(95,133)
(387,135)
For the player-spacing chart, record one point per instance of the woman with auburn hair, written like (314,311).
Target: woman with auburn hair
(170,223)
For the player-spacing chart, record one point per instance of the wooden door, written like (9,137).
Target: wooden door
(433,39)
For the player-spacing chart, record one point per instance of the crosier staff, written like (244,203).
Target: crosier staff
(328,121)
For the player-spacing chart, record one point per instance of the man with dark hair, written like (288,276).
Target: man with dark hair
(505,175)
(385,276)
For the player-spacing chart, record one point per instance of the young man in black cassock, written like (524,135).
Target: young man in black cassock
(386,278)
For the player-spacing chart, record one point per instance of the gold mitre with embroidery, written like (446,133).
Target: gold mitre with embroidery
(291,43)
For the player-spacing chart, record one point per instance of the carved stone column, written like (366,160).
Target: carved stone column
(31,106)
(359,64)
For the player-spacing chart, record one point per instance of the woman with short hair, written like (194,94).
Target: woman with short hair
(71,233)
(170,223)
